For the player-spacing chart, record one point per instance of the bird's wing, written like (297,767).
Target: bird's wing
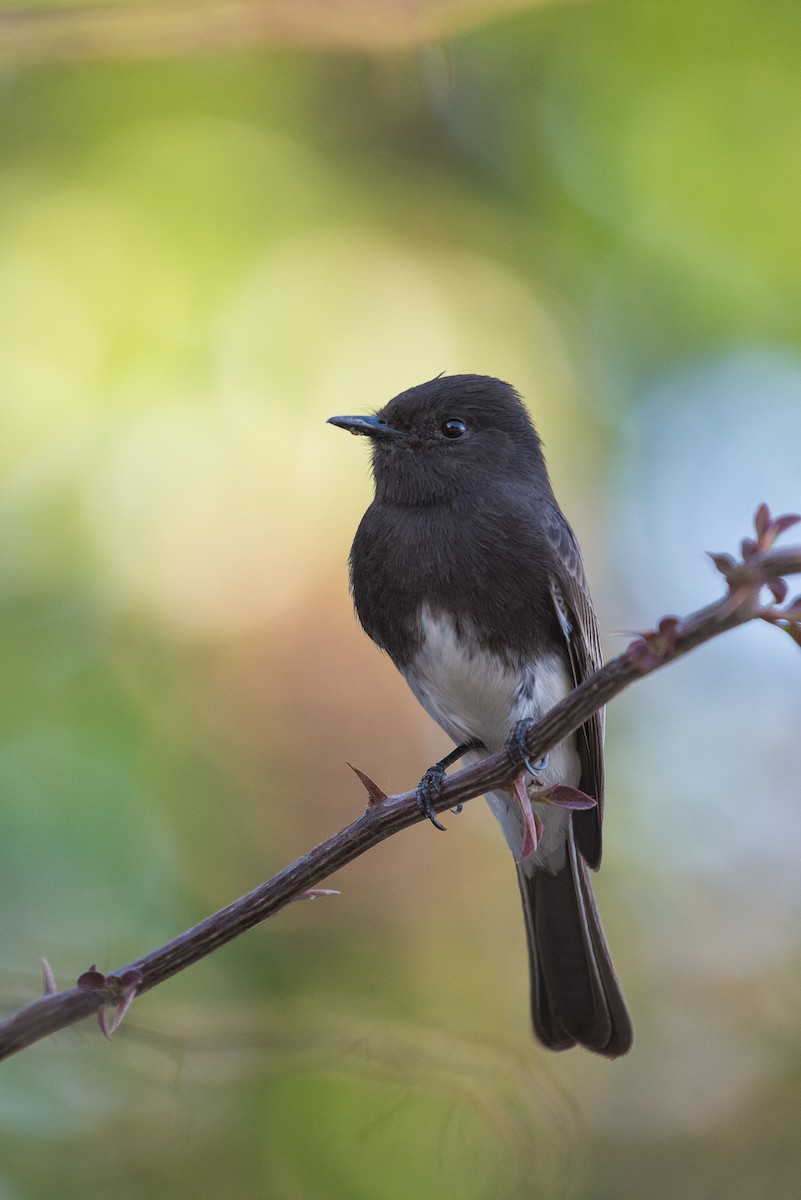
(574,608)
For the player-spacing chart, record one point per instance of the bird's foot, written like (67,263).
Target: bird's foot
(516,746)
(430,786)
(428,789)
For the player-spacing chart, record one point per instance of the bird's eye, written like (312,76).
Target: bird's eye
(453,428)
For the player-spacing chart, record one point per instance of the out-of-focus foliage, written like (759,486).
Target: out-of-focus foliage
(60,31)
(202,256)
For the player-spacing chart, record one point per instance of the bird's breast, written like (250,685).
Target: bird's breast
(472,692)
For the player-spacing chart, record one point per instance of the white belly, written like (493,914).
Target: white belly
(471,694)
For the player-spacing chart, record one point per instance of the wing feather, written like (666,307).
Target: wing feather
(576,614)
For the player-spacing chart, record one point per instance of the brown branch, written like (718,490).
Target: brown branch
(761,567)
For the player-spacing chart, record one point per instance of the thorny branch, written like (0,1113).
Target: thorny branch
(760,569)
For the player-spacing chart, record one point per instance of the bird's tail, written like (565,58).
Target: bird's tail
(575,995)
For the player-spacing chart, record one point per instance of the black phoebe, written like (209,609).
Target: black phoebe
(466,572)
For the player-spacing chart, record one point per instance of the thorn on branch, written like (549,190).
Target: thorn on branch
(48,979)
(375,794)
(117,991)
(313,893)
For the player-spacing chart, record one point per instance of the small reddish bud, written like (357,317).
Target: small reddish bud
(92,980)
(725,564)
(779,590)
(762,520)
(786,522)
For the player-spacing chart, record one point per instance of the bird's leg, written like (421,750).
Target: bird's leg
(516,745)
(559,794)
(430,786)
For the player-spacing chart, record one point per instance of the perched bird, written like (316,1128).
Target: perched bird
(466,573)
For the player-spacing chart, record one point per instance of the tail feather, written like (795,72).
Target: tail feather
(575,995)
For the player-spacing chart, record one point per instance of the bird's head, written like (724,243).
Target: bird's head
(435,440)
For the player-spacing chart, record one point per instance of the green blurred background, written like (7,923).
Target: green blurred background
(204,252)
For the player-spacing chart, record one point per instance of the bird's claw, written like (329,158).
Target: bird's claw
(428,789)
(430,786)
(516,744)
